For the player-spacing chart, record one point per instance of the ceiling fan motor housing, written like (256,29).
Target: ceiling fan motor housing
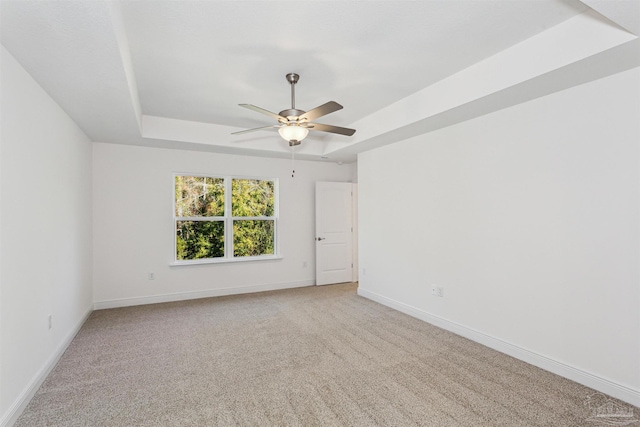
(292,112)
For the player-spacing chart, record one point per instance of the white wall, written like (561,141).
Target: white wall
(46,234)
(529,218)
(133,225)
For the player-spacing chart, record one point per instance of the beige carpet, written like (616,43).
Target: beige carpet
(318,356)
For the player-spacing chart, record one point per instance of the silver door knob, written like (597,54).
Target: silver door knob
(320,238)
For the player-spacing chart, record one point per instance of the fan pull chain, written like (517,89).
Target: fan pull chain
(293,168)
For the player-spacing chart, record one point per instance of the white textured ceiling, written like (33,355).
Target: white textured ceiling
(171,73)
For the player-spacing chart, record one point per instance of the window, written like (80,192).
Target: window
(224,218)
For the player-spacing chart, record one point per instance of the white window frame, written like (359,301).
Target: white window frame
(228,220)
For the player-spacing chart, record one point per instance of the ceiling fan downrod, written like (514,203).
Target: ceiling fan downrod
(292,78)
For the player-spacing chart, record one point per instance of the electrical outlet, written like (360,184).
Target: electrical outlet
(152,276)
(440,291)
(434,290)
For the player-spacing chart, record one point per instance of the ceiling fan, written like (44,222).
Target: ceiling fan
(293,124)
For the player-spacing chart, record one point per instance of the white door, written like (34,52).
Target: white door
(334,228)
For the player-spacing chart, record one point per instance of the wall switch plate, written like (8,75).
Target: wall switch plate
(152,276)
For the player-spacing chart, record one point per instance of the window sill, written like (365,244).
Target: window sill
(224,260)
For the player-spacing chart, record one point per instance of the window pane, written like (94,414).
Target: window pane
(199,239)
(253,237)
(252,197)
(199,196)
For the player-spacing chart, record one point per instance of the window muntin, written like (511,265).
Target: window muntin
(222,218)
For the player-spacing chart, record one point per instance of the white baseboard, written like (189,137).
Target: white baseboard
(15,410)
(595,382)
(181,296)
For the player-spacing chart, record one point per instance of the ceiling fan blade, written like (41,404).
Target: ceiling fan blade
(263,111)
(254,129)
(320,111)
(332,129)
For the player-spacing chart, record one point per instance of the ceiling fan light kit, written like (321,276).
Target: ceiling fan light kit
(293,124)
(293,133)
